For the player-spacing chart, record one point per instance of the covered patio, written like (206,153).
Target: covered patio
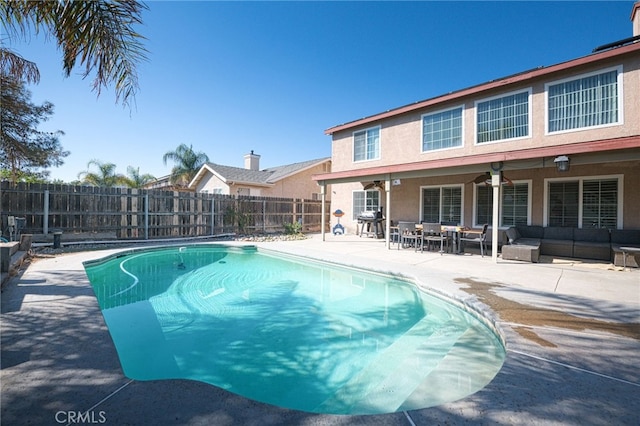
(402,186)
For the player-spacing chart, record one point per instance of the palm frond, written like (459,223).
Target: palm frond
(100,34)
(15,66)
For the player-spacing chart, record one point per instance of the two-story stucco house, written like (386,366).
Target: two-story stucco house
(566,139)
(289,181)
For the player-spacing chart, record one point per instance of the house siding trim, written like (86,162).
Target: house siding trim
(523,154)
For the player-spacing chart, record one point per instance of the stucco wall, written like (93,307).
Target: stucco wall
(300,185)
(401,136)
(405,198)
(210,183)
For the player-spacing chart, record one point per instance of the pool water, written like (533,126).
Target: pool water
(289,331)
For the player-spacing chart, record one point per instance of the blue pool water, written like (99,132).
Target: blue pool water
(289,331)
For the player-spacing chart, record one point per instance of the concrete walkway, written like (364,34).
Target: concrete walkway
(59,365)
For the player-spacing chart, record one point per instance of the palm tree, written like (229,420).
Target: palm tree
(106,177)
(187,165)
(100,34)
(135,180)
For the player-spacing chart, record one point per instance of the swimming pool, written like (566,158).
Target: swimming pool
(290,331)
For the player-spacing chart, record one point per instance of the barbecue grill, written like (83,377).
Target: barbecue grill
(373,223)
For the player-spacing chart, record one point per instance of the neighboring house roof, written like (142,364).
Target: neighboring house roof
(266,177)
(161,182)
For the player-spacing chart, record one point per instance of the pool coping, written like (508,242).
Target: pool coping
(57,355)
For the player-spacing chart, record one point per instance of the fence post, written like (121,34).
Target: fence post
(264,216)
(146,216)
(294,201)
(45,219)
(213,215)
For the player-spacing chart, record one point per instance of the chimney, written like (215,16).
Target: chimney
(635,18)
(252,161)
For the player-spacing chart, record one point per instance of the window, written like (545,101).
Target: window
(366,144)
(563,204)
(514,206)
(365,201)
(442,130)
(588,101)
(503,118)
(600,203)
(585,203)
(442,204)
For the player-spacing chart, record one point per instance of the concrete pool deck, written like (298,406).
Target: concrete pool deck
(59,365)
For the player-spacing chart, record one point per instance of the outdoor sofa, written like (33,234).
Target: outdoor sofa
(524,244)
(527,243)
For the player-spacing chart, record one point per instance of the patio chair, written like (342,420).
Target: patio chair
(394,235)
(408,235)
(476,237)
(432,234)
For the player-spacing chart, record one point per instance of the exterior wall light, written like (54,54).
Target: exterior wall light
(562,163)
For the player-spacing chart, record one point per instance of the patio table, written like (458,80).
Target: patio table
(455,231)
(631,250)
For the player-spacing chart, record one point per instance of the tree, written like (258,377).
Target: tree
(187,165)
(24,148)
(100,34)
(106,176)
(135,180)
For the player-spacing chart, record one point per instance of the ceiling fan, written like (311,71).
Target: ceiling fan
(486,179)
(376,184)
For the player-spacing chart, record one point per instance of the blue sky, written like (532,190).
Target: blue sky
(231,77)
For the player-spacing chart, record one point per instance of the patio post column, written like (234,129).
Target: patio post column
(496,178)
(387,222)
(323,219)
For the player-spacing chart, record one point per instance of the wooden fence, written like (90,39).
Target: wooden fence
(127,213)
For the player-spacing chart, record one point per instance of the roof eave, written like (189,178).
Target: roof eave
(198,177)
(260,184)
(324,160)
(523,154)
(516,78)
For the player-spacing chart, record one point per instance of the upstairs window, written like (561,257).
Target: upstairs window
(503,118)
(366,144)
(442,130)
(588,101)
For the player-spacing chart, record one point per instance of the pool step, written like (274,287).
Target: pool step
(462,372)
(419,350)
(140,342)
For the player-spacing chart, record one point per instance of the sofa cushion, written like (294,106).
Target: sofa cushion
(592,250)
(553,247)
(512,234)
(530,231)
(533,242)
(593,235)
(623,237)
(558,233)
